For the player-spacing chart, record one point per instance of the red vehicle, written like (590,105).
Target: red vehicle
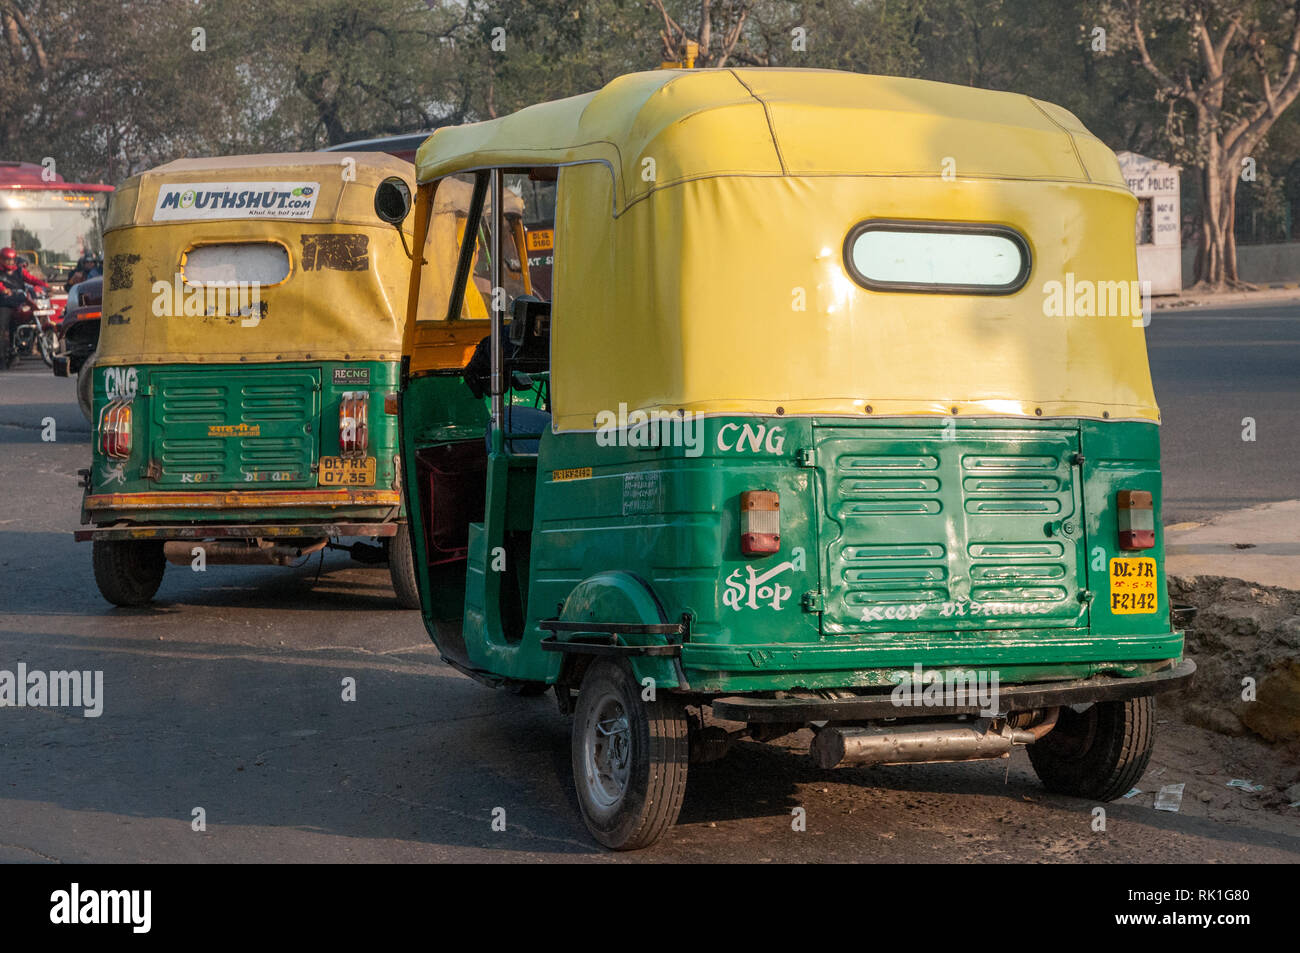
(51,223)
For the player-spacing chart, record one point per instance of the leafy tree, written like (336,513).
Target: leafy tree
(1225,71)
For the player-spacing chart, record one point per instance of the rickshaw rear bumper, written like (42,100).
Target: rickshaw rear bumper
(199,531)
(1040,695)
(229,499)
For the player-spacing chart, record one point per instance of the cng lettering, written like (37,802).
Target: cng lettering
(121,382)
(751,438)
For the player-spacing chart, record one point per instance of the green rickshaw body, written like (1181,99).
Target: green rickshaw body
(1027,595)
(240,429)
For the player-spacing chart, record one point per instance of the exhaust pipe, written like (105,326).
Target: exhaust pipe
(242,552)
(919,744)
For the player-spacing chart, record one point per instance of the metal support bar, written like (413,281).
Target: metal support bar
(614,628)
(1010,698)
(498,313)
(609,648)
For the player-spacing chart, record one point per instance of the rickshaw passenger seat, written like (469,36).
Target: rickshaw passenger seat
(521,419)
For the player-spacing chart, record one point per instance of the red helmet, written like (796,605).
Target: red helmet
(8,259)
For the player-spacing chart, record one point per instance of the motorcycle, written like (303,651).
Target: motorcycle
(31,330)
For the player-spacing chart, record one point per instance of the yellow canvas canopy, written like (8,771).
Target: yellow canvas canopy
(344,295)
(700,242)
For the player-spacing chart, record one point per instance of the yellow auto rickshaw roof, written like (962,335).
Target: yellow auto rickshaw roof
(344,297)
(701,231)
(346,181)
(657,129)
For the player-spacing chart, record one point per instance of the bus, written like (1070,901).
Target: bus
(49,222)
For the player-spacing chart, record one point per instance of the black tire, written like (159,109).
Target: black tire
(7,360)
(128,571)
(630,780)
(401,568)
(1098,754)
(45,344)
(84,391)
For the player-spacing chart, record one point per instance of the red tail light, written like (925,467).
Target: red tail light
(760,522)
(354,427)
(1136,519)
(115,429)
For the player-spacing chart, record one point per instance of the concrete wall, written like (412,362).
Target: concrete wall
(1276,263)
(1160,265)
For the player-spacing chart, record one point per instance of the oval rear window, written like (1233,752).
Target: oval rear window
(937,257)
(261,263)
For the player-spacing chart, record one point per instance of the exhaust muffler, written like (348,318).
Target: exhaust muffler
(242,552)
(922,743)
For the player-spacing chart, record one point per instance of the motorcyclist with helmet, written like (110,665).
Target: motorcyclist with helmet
(14,279)
(87,267)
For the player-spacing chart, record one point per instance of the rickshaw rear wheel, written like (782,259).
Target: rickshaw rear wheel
(401,569)
(629,756)
(1098,753)
(128,571)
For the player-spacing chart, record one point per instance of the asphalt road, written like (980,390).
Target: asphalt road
(1212,368)
(226,696)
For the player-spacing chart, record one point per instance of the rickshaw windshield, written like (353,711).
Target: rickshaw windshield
(527,247)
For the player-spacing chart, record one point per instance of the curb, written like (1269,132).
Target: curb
(1276,291)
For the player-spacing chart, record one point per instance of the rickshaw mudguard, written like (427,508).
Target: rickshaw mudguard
(610,600)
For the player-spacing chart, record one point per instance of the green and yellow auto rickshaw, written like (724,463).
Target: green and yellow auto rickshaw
(839,417)
(244,382)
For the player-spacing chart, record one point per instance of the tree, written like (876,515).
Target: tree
(321,72)
(1231,67)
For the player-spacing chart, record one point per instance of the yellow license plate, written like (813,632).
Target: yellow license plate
(1133,585)
(340,471)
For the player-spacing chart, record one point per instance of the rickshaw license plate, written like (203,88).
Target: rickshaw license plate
(1133,586)
(340,471)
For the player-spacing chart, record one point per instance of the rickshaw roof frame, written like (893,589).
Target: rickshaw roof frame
(752,122)
(819,151)
(370,168)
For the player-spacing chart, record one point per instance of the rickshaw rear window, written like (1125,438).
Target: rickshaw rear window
(937,257)
(262,263)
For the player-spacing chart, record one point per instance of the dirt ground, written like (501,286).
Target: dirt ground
(1211,734)
(1205,737)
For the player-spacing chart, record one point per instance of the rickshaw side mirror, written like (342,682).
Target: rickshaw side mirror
(393,200)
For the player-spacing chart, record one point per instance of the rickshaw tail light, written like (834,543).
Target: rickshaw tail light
(354,427)
(1136,519)
(760,522)
(115,429)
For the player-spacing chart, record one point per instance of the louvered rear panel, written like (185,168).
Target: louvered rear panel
(236,427)
(921,534)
